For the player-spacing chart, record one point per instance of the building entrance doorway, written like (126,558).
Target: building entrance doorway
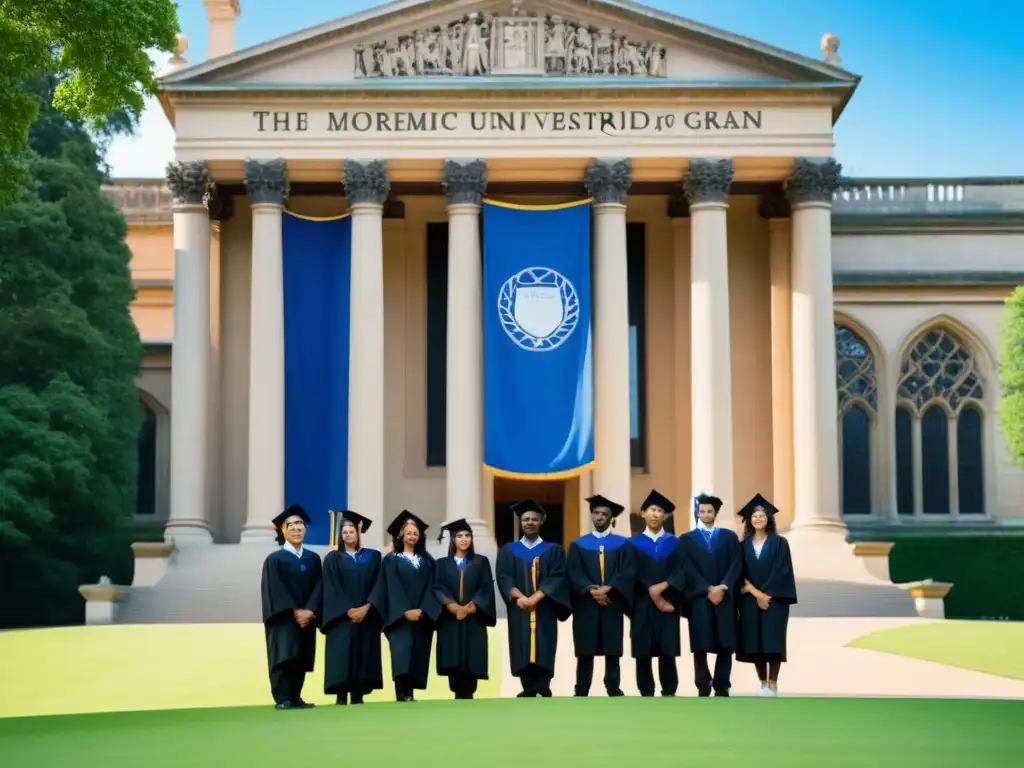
(560,498)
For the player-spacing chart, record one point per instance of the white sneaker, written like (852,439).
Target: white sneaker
(764,691)
(773,691)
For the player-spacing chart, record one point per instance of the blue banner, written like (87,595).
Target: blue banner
(317,269)
(538,380)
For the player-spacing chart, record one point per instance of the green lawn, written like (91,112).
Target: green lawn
(557,732)
(981,646)
(124,668)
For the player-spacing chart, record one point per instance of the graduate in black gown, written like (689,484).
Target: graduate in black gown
(657,599)
(405,593)
(601,578)
(767,589)
(350,623)
(292,593)
(532,582)
(713,562)
(464,586)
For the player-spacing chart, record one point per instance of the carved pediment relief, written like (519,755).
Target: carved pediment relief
(514,44)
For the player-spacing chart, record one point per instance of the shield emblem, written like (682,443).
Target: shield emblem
(538,310)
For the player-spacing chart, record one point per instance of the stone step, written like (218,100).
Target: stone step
(221,583)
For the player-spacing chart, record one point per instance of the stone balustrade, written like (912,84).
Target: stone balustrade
(938,197)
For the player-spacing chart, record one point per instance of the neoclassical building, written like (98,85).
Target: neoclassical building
(761,323)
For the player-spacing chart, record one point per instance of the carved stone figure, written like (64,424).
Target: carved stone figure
(489,44)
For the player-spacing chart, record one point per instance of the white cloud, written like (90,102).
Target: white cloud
(146,153)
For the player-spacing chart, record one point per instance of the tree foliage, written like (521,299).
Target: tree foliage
(69,354)
(1011,374)
(97,47)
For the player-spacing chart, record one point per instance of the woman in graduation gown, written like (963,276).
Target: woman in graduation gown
(464,586)
(767,588)
(405,595)
(601,577)
(351,623)
(654,631)
(712,558)
(291,594)
(531,580)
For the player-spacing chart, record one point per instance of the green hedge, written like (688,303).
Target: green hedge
(986,572)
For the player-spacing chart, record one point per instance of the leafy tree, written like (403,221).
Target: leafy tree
(98,47)
(69,354)
(1011,374)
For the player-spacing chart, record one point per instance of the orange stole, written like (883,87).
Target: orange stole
(461,574)
(535,574)
(600,562)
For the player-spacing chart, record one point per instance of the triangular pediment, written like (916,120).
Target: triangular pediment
(411,42)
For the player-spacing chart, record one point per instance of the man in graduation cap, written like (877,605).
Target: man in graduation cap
(601,576)
(657,599)
(531,579)
(292,594)
(713,564)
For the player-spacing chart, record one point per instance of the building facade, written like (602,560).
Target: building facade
(761,324)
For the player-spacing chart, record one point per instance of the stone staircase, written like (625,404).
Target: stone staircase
(221,584)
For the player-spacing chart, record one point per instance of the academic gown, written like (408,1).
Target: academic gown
(651,632)
(352,653)
(462,645)
(513,569)
(712,628)
(290,582)
(598,630)
(403,587)
(762,634)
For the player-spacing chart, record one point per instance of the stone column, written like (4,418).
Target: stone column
(608,182)
(815,431)
(190,375)
(706,187)
(464,184)
(367,187)
(267,182)
(775,208)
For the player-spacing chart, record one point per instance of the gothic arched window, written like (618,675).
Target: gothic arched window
(857,391)
(939,423)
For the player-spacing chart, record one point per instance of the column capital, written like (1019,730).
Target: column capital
(464,181)
(188,182)
(608,181)
(708,180)
(267,181)
(774,205)
(813,180)
(366,181)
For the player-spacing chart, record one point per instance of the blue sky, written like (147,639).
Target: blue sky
(942,91)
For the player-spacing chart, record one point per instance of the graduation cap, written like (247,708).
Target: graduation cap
(361,523)
(655,499)
(405,516)
(758,501)
(703,498)
(520,508)
(295,510)
(455,526)
(602,501)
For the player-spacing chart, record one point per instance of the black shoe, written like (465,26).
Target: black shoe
(703,692)
(341,701)
(524,695)
(304,704)
(581,695)
(357,699)
(284,705)
(406,698)
(545,694)
(668,695)
(722,694)
(615,693)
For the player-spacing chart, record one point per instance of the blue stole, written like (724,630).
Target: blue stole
(656,550)
(361,557)
(525,553)
(591,543)
(709,537)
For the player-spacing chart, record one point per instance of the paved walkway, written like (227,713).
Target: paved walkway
(820,665)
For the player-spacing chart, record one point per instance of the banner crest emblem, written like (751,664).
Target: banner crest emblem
(538,308)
